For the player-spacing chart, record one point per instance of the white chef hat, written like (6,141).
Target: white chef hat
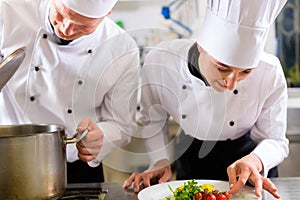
(91,8)
(234,32)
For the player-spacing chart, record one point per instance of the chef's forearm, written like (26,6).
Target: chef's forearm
(113,138)
(157,143)
(271,153)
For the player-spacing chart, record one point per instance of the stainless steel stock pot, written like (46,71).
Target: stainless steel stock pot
(33,161)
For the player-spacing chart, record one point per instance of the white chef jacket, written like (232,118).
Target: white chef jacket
(94,76)
(258,103)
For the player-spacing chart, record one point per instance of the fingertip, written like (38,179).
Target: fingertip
(258,194)
(233,188)
(136,188)
(79,128)
(147,183)
(276,195)
(125,184)
(163,179)
(231,191)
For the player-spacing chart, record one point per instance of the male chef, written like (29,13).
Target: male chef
(79,71)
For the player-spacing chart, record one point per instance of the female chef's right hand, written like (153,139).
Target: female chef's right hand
(90,146)
(161,171)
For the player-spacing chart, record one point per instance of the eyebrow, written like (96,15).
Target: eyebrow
(227,66)
(222,64)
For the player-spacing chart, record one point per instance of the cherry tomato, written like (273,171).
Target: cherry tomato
(198,196)
(221,196)
(204,194)
(216,192)
(211,197)
(227,195)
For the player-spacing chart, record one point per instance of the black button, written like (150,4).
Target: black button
(235,91)
(69,111)
(231,123)
(36,68)
(80,82)
(184,87)
(90,51)
(32,98)
(183,116)
(45,36)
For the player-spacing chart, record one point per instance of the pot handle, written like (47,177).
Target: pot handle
(76,137)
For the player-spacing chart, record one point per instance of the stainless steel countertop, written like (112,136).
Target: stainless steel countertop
(288,188)
(115,191)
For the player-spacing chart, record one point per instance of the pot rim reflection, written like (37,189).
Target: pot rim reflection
(23,130)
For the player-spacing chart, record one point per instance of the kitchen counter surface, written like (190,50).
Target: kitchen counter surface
(288,188)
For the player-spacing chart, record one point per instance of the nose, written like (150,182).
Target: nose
(67,28)
(231,81)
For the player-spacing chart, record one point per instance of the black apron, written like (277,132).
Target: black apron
(224,153)
(81,172)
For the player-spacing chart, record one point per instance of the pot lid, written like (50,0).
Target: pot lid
(10,64)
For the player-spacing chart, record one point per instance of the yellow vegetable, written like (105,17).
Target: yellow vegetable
(179,188)
(208,187)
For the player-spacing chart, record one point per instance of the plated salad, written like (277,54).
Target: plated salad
(190,190)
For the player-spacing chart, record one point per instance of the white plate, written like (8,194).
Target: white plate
(160,191)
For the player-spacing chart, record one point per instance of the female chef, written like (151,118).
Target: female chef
(223,90)
(79,71)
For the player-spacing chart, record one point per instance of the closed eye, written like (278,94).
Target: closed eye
(224,69)
(247,71)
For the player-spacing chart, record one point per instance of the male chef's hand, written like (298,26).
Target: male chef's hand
(90,146)
(246,169)
(161,171)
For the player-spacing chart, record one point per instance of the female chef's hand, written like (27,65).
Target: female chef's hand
(161,171)
(246,169)
(90,146)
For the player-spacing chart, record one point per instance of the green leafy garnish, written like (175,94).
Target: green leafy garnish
(187,191)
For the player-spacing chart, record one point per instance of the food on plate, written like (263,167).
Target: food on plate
(190,190)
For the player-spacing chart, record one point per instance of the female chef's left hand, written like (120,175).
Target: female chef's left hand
(90,146)
(246,169)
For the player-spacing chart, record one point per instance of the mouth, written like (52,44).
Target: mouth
(220,85)
(62,36)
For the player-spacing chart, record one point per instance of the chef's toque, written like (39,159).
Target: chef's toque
(91,8)
(234,32)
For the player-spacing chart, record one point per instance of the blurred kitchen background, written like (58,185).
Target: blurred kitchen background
(152,21)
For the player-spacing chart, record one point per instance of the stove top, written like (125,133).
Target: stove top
(84,191)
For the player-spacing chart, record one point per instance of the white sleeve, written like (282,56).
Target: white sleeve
(154,117)
(118,109)
(270,129)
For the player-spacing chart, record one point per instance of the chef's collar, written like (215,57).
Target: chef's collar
(193,65)
(58,39)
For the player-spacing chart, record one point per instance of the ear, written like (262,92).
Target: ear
(108,13)
(200,49)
